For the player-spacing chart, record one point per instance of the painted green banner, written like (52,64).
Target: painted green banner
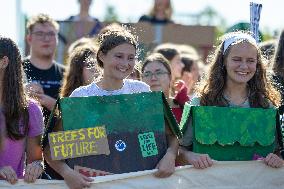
(227,133)
(135,128)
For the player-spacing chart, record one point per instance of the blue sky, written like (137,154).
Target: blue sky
(232,10)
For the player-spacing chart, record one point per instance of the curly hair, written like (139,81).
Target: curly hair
(14,99)
(211,90)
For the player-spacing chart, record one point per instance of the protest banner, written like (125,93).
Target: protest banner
(134,129)
(232,174)
(231,133)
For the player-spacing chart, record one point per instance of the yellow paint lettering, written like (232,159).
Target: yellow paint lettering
(53,137)
(67,136)
(90,132)
(60,137)
(81,132)
(86,148)
(93,147)
(64,151)
(56,150)
(78,149)
(102,133)
(71,149)
(74,135)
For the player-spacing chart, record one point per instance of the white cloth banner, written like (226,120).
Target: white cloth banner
(229,175)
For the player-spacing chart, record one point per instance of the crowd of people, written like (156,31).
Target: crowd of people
(236,75)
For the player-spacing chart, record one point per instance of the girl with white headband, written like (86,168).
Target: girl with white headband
(237,78)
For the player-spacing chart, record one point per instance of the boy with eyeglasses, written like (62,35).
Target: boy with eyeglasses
(43,74)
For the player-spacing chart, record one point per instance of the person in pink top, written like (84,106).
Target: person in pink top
(22,120)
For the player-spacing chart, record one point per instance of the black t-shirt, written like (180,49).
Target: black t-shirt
(49,79)
(154,20)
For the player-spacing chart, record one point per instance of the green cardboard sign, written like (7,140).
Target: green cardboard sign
(227,133)
(135,127)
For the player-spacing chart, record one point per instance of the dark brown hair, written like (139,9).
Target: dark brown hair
(156,57)
(113,36)
(188,61)
(13,96)
(261,90)
(168,50)
(73,77)
(278,59)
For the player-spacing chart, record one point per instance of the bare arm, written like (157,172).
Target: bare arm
(46,101)
(59,166)
(166,166)
(34,159)
(35,90)
(34,151)
(199,161)
(172,142)
(72,178)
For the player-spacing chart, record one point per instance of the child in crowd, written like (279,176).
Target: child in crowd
(156,72)
(82,69)
(22,120)
(237,78)
(190,73)
(178,88)
(116,55)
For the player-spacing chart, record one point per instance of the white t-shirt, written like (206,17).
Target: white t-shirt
(129,87)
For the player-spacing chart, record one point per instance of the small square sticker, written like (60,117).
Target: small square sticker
(148,144)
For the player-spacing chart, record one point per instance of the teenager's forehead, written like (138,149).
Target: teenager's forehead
(44,26)
(243,47)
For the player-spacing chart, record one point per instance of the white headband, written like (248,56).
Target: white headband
(236,37)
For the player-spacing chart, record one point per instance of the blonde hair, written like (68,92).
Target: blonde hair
(168,11)
(41,19)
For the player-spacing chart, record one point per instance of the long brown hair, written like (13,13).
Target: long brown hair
(278,60)
(212,90)
(13,96)
(73,77)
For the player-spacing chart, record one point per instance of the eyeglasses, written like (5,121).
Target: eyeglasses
(42,35)
(158,74)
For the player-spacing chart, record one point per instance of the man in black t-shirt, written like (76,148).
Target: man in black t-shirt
(45,83)
(43,74)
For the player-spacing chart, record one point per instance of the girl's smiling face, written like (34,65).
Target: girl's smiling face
(241,63)
(119,62)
